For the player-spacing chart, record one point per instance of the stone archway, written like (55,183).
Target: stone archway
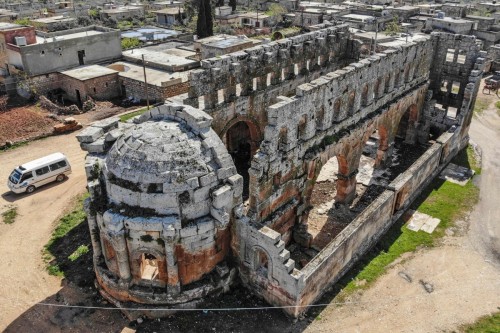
(241,137)
(406,129)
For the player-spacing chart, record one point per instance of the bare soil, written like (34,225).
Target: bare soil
(463,272)
(25,123)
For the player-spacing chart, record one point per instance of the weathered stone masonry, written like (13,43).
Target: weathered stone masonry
(165,192)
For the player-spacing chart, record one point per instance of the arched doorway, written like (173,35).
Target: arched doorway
(241,140)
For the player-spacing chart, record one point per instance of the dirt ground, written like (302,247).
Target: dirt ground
(26,122)
(463,272)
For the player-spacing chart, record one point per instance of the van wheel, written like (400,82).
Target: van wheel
(30,189)
(60,178)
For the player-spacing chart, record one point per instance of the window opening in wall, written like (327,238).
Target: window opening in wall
(42,52)
(450,55)
(461,56)
(301,127)
(95,90)
(149,267)
(81,56)
(106,84)
(455,88)
(444,86)
(220,96)
(452,112)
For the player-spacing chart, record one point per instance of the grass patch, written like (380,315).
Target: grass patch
(486,324)
(80,251)
(131,115)
(10,215)
(480,106)
(66,223)
(497,105)
(441,199)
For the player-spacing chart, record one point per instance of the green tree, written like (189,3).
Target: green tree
(393,28)
(204,24)
(276,11)
(129,43)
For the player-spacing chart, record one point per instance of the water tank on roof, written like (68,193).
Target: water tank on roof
(21,41)
(440,15)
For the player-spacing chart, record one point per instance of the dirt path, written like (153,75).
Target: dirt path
(23,280)
(464,272)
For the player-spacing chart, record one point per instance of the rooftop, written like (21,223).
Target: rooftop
(6,26)
(82,34)
(154,76)
(88,72)
(149,33)
(54,19)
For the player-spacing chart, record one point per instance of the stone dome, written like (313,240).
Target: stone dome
(159,151)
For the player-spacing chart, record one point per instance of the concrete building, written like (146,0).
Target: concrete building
(7,15)
(244,152)
(55,23)
(120,13)
(451,25)
(169,16)
(56,51)
(221,44)
(94,81)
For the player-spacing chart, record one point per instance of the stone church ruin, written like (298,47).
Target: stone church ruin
(284,164)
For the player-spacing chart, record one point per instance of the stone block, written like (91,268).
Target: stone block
(90,134)
(208,179)
(201,194)
(96,147)
(189,231)
(222,197)
(224,173)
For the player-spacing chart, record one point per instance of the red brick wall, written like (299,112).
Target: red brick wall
(28,32)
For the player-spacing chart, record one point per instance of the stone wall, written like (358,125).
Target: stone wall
(244,83)
(135,89)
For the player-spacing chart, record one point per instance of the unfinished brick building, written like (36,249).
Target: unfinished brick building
(166,195)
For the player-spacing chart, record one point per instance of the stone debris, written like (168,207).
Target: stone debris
(427,286)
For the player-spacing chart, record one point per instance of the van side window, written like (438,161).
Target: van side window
(27,175)
(42,171)
(57,165)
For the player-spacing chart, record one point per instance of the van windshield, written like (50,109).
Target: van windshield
(15,176)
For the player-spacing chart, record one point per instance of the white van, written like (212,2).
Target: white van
(29,176)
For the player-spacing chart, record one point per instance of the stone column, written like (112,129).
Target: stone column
(276,76)
(170,237)
(94,237)
(246,86)
(120,246)
(192,99)
(211,100)
(346,187)
(384,154)
(262,82)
